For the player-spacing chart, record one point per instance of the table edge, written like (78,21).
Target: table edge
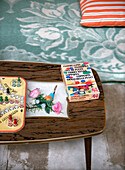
(59,138)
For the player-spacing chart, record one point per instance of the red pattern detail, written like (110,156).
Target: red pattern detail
(94,89)
(85,63)
(88,82)
(76,82)
(95,96)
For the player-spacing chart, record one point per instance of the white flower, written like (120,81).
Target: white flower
(37,101)
(43,105)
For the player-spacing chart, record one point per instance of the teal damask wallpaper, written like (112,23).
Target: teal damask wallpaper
(50,31)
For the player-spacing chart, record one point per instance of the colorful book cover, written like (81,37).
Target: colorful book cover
(79,82)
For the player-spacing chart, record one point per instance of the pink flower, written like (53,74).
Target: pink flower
(57,107)
(34,93)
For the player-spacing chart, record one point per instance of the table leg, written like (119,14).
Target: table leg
(88,145)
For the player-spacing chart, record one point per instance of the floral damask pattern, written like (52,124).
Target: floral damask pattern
(1,19)
(106,52)
(12,53)
(52,33)
(105,46)
(49,25)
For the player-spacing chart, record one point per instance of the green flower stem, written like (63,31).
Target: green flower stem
(49,105)
(29,90)
(31,107)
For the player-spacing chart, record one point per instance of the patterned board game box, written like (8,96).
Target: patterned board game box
(79,82)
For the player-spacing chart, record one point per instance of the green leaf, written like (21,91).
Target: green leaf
(47,109)
(49,103)
(38,106)
(42,100)
(40,96)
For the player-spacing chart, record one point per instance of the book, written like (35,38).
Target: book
(79,82)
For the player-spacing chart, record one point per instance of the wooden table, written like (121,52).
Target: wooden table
(86,118)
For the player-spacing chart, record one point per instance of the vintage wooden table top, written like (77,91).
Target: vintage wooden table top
(86,118)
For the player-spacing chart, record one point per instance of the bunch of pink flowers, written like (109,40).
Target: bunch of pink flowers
(55,107)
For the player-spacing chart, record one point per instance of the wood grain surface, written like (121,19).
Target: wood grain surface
(86,118)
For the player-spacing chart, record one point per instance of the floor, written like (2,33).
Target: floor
(108,149)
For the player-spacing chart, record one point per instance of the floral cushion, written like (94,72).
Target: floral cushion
(49,31)
(102,13)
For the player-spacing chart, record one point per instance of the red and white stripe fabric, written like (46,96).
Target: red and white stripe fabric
(96,13)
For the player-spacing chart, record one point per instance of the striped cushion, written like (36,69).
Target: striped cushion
(96,13)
